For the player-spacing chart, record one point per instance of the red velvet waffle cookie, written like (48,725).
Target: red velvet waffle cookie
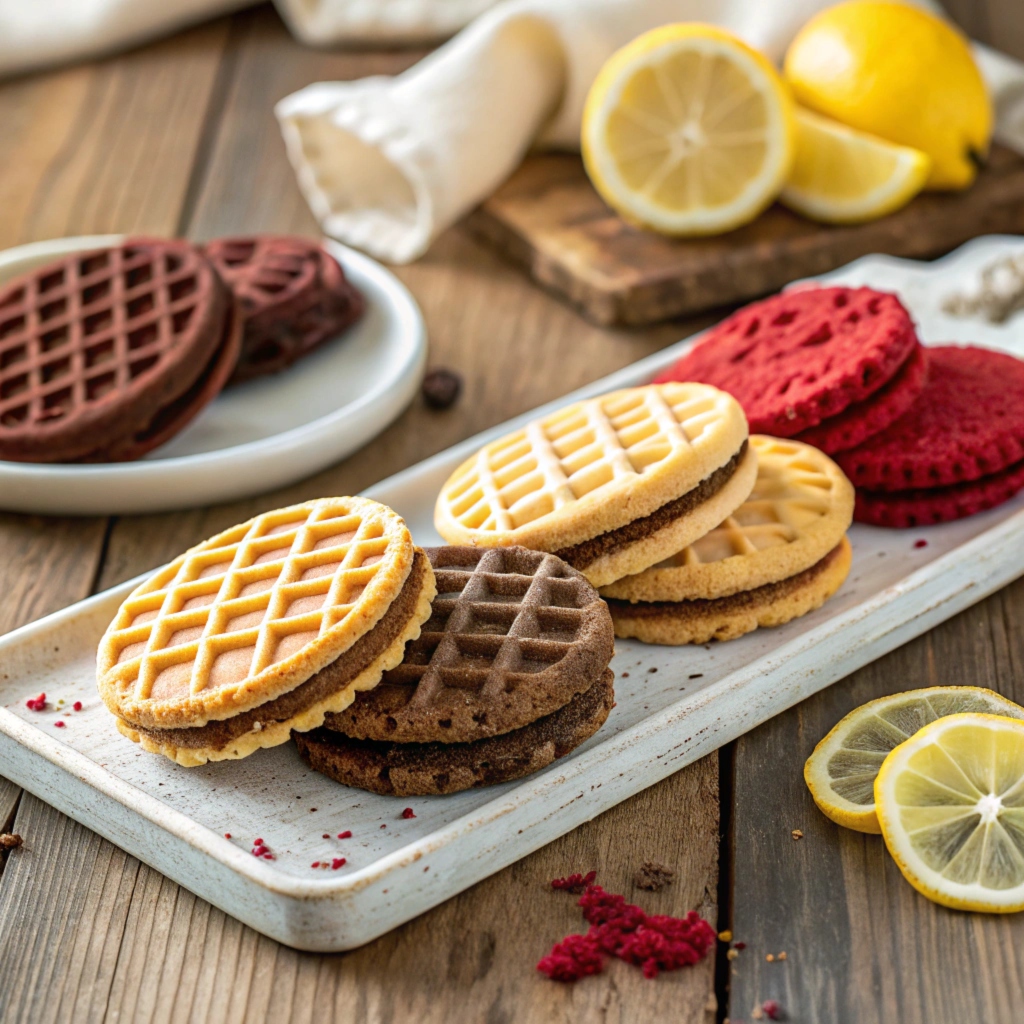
(967,424)
(798,358)
(294,297)
(107,353)
(855,424)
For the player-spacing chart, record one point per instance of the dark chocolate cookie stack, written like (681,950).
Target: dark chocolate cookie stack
(294,297)
(509,673)
(106,355)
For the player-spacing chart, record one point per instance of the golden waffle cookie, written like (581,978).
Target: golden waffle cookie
(799,510)
(599,466)
(251,614)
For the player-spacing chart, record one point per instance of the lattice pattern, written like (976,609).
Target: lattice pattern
(257,598)
(513,634)
(584,451)
(795,488)
(79,331)
(295,296)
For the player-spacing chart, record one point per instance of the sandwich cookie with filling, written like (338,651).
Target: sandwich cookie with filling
(264,629)
(610,485)
(781,554)
(509,673)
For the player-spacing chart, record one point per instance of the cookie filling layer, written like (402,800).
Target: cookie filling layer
(448,767)
(733,603)
(328,680)
(579,556)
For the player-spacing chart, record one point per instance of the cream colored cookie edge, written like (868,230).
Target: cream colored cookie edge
(712,580)
(725,625)
(642,554)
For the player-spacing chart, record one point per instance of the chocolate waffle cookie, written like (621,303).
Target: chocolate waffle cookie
(263,629)
(106,354)
(509,672)
(294,296)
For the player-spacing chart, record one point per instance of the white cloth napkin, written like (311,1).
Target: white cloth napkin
(38,33)
(386,164)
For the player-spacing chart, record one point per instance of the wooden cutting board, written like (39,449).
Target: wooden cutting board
(548,218)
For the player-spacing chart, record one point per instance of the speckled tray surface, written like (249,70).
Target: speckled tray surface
(674,705)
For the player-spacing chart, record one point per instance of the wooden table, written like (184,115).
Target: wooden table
(178,138)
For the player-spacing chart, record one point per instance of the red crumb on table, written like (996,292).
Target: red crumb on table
(338,862)
(77,705)
(36,703)
(58,725)
(383,826)
(652,942)
(260,849)
(408,813)
(739,945)
(326,835)
(315,864)
(772,1009)
(347,834)
(920,543)
(574,883)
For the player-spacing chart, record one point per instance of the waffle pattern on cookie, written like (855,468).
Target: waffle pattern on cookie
(92,345)
(798,511)
(591,467)
(253,612)
(513,635)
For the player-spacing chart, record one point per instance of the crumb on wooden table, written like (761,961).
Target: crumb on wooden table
(653,876)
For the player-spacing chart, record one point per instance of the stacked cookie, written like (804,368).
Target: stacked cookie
(781,554)
(264,629)
(106,355)
(828,366)
(926,435)
(957,451)
(293,294)
(691,529)
(509,673)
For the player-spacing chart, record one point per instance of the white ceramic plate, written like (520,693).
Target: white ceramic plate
(257,436)
(673,705)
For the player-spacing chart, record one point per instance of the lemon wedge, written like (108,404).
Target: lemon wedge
(843,176)
(687,130)
(841,772)
(950,801)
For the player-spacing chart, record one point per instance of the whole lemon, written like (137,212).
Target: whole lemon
(900,73)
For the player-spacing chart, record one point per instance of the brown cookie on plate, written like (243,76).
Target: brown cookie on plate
(419,769)
(294,297)
(106,354)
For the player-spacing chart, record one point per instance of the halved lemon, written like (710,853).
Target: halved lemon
(950,801)
(687,130)
(843,176)
(841,772)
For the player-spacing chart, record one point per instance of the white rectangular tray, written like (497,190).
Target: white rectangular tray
(674,705)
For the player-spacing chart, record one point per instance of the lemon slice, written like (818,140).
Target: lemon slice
(951,805)
(688,131)
(841,772)
(843,176)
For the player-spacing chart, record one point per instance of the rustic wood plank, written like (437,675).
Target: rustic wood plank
(107,146)
(549,219)
(861,944)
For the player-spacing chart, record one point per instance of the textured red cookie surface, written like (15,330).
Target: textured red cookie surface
(901,509)
(864,419)
(968,423)
(798,358)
